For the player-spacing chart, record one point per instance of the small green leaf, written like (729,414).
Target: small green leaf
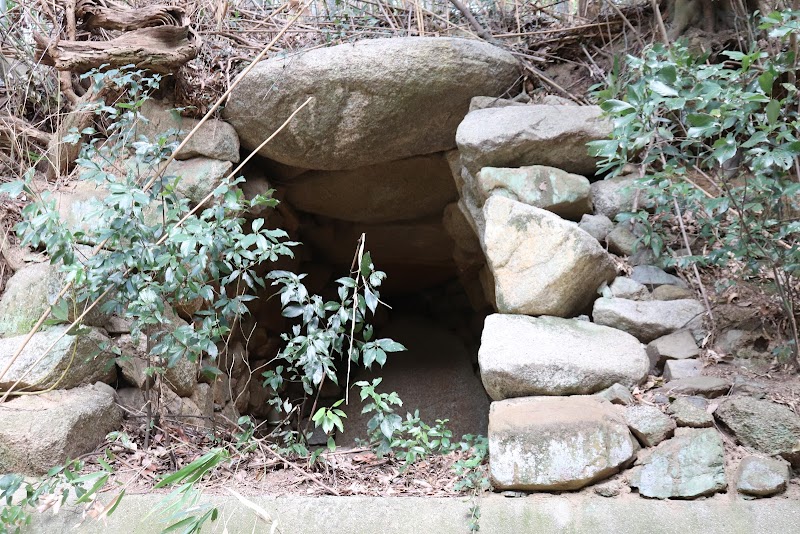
(366,264)
(662,89)
(773,111)
(13,189)
(616,106)
(765,82)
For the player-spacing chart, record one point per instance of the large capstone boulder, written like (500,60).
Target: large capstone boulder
(648,320)
(563,193)
(542,264)
(692,464)
(74,360)
(395,191)
(523,356)
(374,101)
(556,443)
(763,425)
(554,136)
(38,432)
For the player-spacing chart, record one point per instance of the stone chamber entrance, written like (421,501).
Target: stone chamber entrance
(434,306)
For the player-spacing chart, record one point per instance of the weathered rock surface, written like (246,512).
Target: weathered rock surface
(523,356)
(678,345)
(652,276)
(555,443)
(621,241)
(29,293)
(38,432)
(18,257)
(677,369)
(77,202)
(395,191)
(597,226)
(483,102)
(705,386)
(763,425)
(672,293)
(79,356)
(542,265)
(214,139)
(647,320)
(134,369)
(617,394)
(626,288)
(762,477)
(691,464)
(80,203)
(649,424)
(132,401)
(565,194)
(613,196)
(182,377)
(198,176)
(691,412)
(468,253)
(369,105)
(554,136)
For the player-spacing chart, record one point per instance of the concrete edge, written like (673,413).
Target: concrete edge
(499,515)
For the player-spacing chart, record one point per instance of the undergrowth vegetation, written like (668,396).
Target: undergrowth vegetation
(718,150)
(153,249)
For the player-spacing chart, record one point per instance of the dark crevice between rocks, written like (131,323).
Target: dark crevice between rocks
(430,314)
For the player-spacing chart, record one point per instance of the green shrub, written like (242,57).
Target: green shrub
(718,147)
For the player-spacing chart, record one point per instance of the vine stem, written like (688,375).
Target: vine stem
(694,265)
(357,268)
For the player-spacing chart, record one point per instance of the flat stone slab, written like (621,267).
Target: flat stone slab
(536,514)
(762,476)
(556,443)
(678,345)
(517,136)
(649,424)
(677,369)
(704,386)
(691,412)
(764,425)
(648,320)
(38,432)
(692,464)
(565,194)
(652,276)
(522,356)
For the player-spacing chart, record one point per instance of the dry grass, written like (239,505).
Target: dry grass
(346,471)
